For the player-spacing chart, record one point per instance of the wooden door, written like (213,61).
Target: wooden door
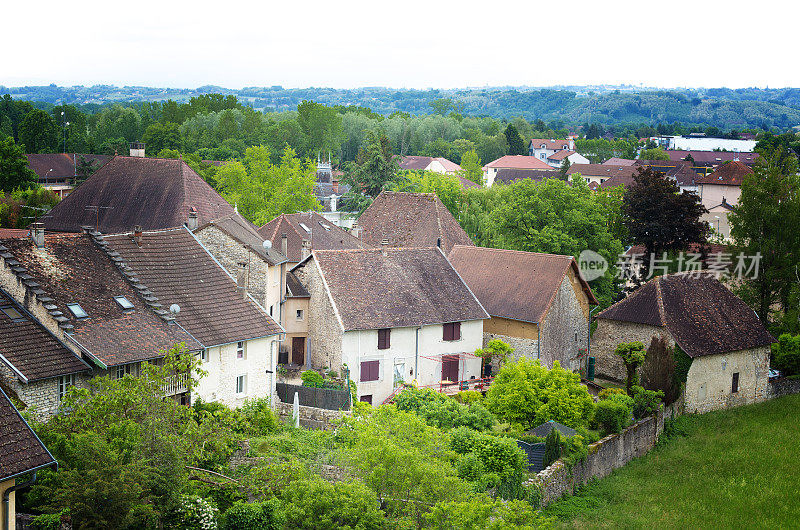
(450,368)
(299,350)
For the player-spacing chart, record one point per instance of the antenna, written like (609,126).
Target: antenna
(97,214)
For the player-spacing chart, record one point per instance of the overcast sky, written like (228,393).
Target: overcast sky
(413,44)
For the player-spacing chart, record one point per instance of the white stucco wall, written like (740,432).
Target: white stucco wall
(362,345)
(712,194)
(682,143)
(224,367)
(710,379)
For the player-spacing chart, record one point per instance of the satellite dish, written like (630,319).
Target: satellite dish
(174,309)
(267,244)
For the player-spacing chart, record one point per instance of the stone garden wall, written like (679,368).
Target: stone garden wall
(311,417)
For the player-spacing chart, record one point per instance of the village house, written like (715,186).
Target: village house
(306,231)
(717,219)
(724,184)
(704,161)
(57,171)
(539,303)
(542,148)
(410,220)
(87,303)
(599,173)
(238,339)
(728,345)
(21,452)
(391,316)
(507,176)
(437,165)
(556,160)
(293,349)
(329,191)
(513,162)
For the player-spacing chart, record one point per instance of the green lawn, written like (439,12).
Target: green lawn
(738,468)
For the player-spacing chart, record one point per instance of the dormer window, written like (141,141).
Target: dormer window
(12,313)
(123,302)
(78,311)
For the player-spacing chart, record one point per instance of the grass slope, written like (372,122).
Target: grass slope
(737,468)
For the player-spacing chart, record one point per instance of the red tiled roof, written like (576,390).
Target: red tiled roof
(554,145)
(323,234)
(514,284)
(13,232)
(154,193)
(518,162)
(512,175)
(411,220)
(614,161)
(21,451)
(418,163)
(729,174)
(602,170)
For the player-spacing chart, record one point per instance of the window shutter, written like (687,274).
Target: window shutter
(384,340)
(457,331)
(447,332)
(369,370)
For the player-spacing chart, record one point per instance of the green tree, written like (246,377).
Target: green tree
(552,447)
(322,126)
(314,504)
(562,171)
(654,154)
(763,224)
(526,393)
(375,169)
(160,136)
(632,354)
(516,145)
(471,167)
(481,513)
(38,132)
(14,170)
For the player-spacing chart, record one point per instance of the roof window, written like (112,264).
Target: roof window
(77,310)
(123,302)
(307,229)
(326,227)
(12,313)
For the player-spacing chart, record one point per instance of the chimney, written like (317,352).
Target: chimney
(384,245)
(334,200)
(284,245)
(37,234)
(571,144)
(191,223)
(137,235)
(137,149)
(241,279)
(355,230)
(335,186)
(306,250)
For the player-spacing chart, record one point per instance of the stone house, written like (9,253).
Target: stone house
(294,348)
(21,452)
(539,303)
(514,162)
(728,344)
(391,316)
(35,366)
(410,220)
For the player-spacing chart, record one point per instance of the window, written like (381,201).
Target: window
(12,313)
(307,229)
(77,310)
(366,398)
(123,302)
(399,374)
(383,339)
(241,384)
(240,350)
(64,382)
(543,156)
(204,355)
(370,370)
(299,314)
(126,369)
(451,331)
(735,383)
(270,310)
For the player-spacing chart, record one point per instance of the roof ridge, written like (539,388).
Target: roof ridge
(525,252)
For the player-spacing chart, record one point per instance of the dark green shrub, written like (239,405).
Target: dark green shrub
(259,414)
(613,414)
(646,402)
(312,378)
(316,504)
(786,353)
(267,515)
(552,448)
(470,467)
(47,521)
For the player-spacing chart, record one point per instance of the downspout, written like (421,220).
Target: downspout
(416,355)
(6,503)
(589,338)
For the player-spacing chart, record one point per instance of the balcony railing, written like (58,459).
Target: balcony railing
(176,384)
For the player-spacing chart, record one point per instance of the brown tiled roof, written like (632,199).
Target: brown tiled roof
(73,269)
(514,284)
(179,270)
(30,350)
(245,233)
(466,183)
(151,192)
(21,451)
(554,145)
(411,220)
(415,163)
(729,174)
(518,162)
(49,165)
(615,161)
(713,158)
(602,170)
(295,289)
(618,180)
(513,175)
(13,232)
(561,155)
(406,287)
(700,313)
(323,234)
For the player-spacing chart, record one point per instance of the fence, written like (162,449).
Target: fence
(322,398)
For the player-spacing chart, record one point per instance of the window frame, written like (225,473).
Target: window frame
(121,301)
(454,332)
(241,384)
(204,355)
(735,383)
(72,308)
(10,311)
(384,338)
(300,315)
(241,349)
(64,382)
(366,370)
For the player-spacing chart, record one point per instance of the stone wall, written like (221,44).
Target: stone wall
(710,380)
(324,331)
(564,333)
(606,455)
(782,387)
(522,347)
(40,397)
(609,334)
(311,417)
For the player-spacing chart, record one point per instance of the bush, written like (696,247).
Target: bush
(192,513)
(552,448)
(469,397)
(442,411)
(646,402)
(498,455)
(312,378)
(613,414)
(47,521)
(470,467)
(608,392)
(316,504)
(786,353)
(266,515)
(260,417)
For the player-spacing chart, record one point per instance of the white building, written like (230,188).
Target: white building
(702,143)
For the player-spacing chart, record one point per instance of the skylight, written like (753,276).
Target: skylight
(77,310)
(12,313)
(307,229)
(123,302)
(323,225)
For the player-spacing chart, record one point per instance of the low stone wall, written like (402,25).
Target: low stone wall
(311,417)
(605,456)
(782,386)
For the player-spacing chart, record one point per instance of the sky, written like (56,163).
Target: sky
(407,44)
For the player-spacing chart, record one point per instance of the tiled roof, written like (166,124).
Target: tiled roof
(713,157)
(323,234)
(245,233)
(514,284)
(518,162)
(411,220)
(29,349)
(13,232)
(700,313)
(729,174)
(406,287)
(179,270)
(74,269)
(551,144)
(513,175)
(21,451)
(602,170)
(544,429)
(295,289)
(618,180)
(415,163)
(49,165)
(561,155)
(615,161)
(466,183)
(151,192)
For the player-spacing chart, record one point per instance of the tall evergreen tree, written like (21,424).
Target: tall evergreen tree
(14,170)
(516,145)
